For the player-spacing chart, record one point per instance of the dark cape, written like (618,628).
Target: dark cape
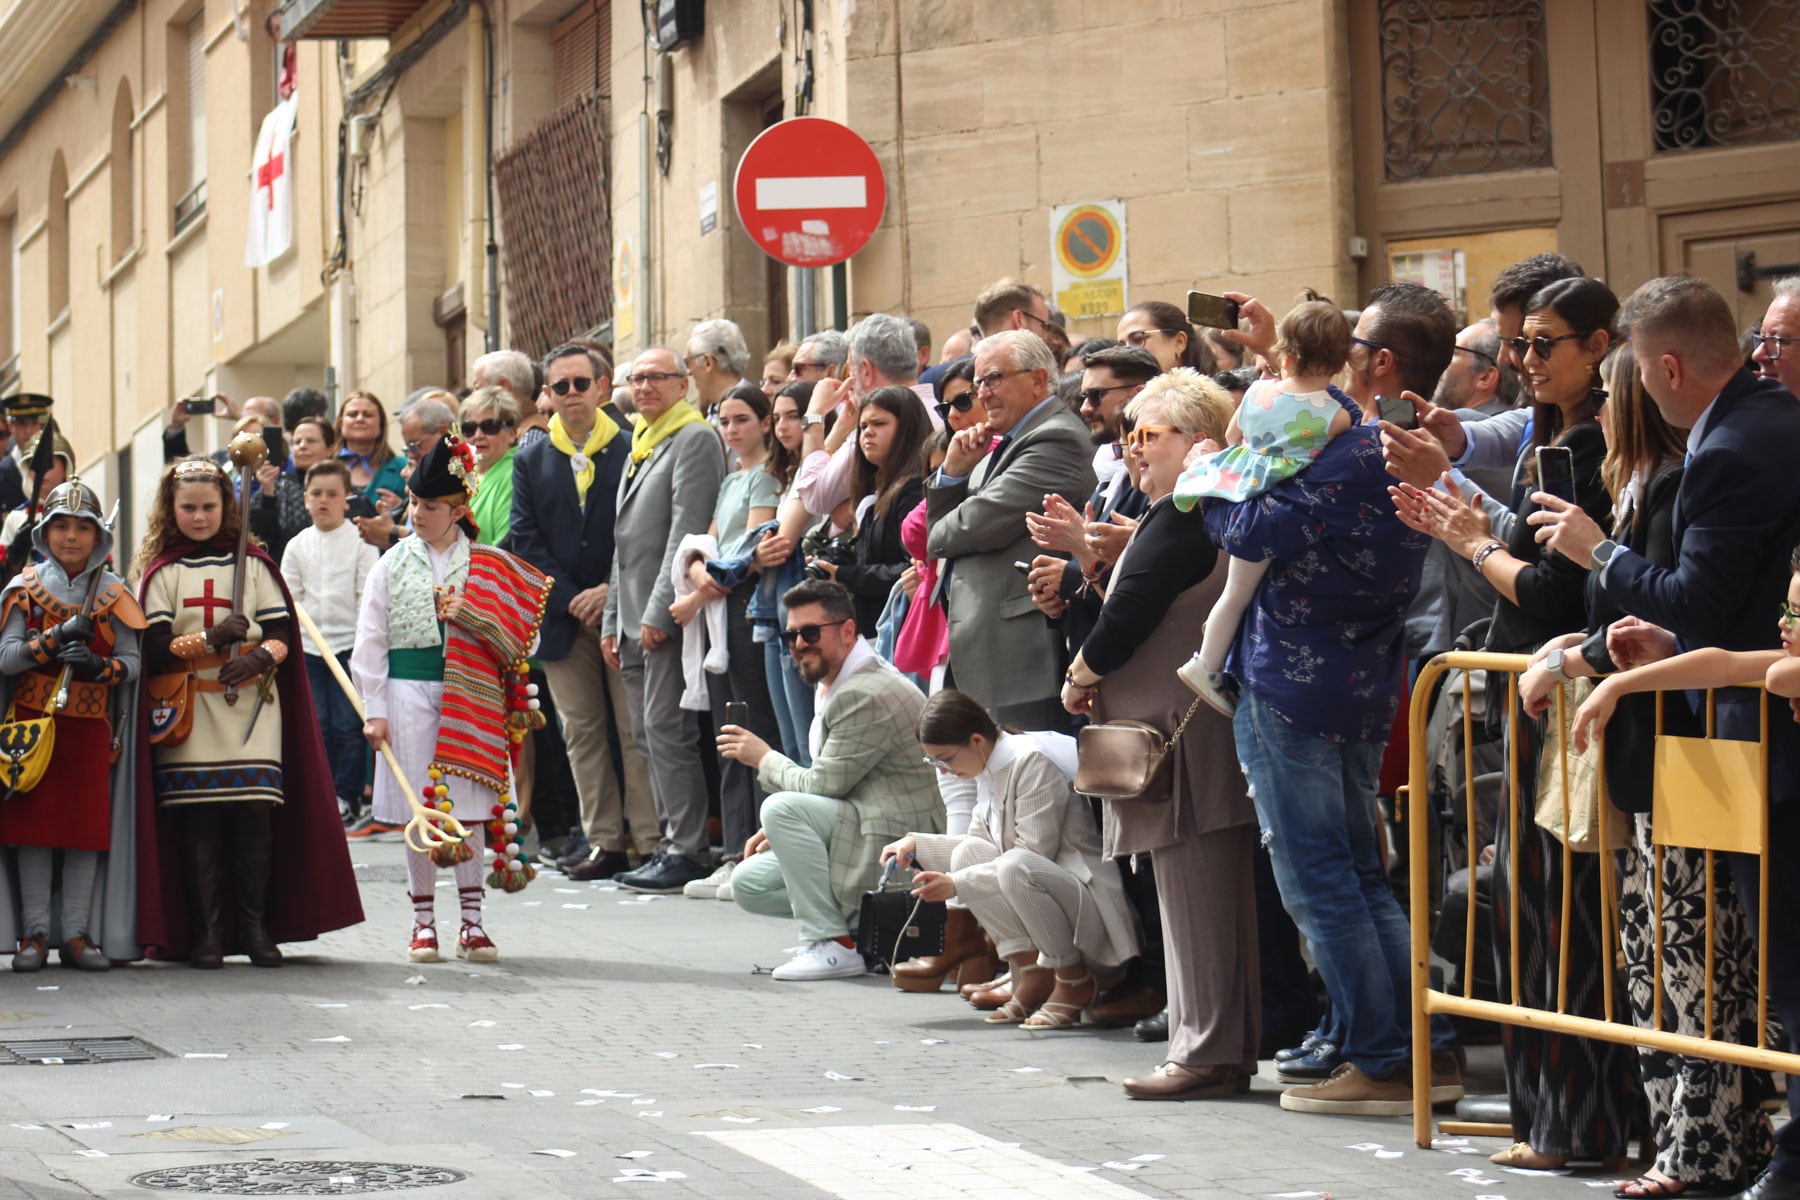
(312,886)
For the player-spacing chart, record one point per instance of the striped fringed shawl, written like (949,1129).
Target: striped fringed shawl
(503,603)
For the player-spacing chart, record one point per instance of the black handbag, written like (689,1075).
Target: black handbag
(893,926)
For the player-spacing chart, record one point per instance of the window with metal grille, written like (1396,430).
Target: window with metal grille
(582,48)
(1464,87)
(1723,73)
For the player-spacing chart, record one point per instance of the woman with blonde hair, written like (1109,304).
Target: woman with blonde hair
(1201,834)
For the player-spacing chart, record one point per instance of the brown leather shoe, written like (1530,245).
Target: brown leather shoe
(990,999)
(1126,1006)
(1172,1081)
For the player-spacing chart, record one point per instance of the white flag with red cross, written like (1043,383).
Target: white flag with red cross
(272,188)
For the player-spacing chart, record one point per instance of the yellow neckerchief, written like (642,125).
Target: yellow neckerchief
(582,460)
(645,438)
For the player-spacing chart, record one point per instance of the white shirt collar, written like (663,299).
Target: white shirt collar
(861,655)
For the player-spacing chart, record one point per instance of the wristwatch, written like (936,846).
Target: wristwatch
(1553,663)
(814,419)
(1602,554)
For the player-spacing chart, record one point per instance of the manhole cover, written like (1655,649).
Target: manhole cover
(265,1177)
(69,1052)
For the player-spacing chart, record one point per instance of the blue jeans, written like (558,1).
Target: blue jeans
(1315,800)
(340,727)
(793,701)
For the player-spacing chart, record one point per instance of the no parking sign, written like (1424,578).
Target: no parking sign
(1087,258)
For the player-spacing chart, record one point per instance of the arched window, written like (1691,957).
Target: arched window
(124,175)
(57,235)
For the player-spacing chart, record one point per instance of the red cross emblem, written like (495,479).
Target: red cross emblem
(268,173)
(206,600)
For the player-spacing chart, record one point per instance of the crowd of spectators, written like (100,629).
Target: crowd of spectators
(851,611)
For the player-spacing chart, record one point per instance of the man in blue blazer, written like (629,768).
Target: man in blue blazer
(565,498)
(1736,522)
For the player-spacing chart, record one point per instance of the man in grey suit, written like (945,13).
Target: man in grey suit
(823,826)
(1002,652)
(670,487)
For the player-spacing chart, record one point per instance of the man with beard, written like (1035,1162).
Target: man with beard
(823,826)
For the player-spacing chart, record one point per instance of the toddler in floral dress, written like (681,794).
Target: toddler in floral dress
(1280,427)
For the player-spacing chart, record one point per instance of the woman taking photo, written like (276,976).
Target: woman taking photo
(1165,331)
(362,430)
(747,500)
(885,485)
(1201,836)
(1571,1098)
(1029,868)
(279,510)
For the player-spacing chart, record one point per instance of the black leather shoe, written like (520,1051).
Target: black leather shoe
(1153,1029)
(664,876)
(1301,1051)
(600,864)
(644,864)
(1770,1186)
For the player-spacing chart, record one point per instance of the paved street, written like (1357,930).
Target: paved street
(622,1037)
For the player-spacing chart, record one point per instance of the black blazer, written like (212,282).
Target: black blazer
(549,531)
(881,558)
(1736,522)
(1550,587)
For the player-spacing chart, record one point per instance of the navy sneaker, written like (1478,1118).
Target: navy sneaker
(1302,1050)
(1315,1066)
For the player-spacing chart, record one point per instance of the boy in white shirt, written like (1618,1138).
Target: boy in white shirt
(326,566)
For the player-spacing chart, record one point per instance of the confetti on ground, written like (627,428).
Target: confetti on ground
(665,1054)
(1026,1070)
(540,1093)
(933,1042)
(715,1066)
(635,1154)
(818,1112)
(736,1120)
(203,1054)
(339,1038)
(555,1153)
(915,1108)
(837,1077)
(422,1007)
(332,1004)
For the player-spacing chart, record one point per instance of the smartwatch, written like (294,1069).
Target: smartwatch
(814,419)
(1602,554)
(1553,663)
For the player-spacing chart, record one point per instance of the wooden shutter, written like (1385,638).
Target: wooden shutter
(582,49)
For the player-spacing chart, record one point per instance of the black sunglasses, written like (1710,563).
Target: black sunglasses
(808,633)
(1542,345)
(962,403)
(487,425)
(579,383)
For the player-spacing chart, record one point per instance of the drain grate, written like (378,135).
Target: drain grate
(267,1177)
(69,1052)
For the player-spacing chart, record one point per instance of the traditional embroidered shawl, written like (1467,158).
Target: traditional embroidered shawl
(412,597)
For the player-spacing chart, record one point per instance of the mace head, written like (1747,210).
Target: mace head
(248,450)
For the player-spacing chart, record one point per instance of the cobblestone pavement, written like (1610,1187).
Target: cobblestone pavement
(620,1037)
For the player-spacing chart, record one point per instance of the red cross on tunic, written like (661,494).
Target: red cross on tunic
(206,600)
(268,173)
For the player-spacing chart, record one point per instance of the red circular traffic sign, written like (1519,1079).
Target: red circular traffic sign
(809,192)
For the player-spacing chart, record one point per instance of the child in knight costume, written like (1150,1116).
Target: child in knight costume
(441,644)
(241,847)
(69,634)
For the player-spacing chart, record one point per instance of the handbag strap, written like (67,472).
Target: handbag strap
(904,926)
(1182,728)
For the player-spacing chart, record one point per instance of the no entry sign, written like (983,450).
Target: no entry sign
(809,192)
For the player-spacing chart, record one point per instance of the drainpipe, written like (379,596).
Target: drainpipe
(492,340)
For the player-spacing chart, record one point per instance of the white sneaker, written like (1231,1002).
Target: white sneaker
(828,959)
(708,888)
(725,893)
(1214,687)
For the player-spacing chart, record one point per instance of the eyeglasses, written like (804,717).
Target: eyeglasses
(652,378)
(821,368)
(577,384)
(1541,346)
(691,359)
(808,633)
(942,764)
(1044,321)
(1789,614)
(1481,354)
(1094,396)
(962,403)
(1143,435)
(413,449)
(1139,337)
(1366,343)
(487,425)
(1771,344)
(992,379)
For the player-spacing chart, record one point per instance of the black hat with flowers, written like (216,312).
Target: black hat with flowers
(447,472)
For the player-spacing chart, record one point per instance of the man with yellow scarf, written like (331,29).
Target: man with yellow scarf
(564,503)
(671,488)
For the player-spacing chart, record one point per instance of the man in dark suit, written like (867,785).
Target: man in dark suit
(1736,521)
(1001,650)
(565,496)
(25,414)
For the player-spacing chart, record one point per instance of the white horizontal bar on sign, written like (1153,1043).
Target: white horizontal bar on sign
(812,191)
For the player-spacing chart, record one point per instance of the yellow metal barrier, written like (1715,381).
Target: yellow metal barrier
(1710,794)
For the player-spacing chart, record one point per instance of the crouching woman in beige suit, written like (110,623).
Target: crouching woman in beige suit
(1029,868)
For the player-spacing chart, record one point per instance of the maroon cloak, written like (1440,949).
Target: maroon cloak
(312,886)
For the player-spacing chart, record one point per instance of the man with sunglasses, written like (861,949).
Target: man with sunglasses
(565,500)
(823,826)
(1029,445)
